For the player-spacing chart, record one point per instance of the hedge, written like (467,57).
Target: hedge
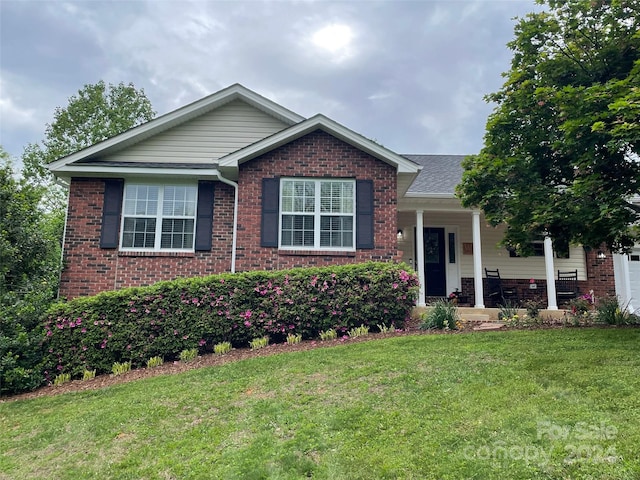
(135,324)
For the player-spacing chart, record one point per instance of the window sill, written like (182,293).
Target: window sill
(128,253)
(317,253)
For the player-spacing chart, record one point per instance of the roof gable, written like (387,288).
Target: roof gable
(318,122)
(175,119)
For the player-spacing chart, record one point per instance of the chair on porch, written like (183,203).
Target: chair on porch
(496,293)
(567,286)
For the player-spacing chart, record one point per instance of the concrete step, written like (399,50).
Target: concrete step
(489,326)
(475,317)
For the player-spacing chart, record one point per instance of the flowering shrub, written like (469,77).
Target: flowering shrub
(134,324)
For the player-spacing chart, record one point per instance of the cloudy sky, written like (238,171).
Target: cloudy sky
(409,74)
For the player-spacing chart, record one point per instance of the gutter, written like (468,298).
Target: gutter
(234,239)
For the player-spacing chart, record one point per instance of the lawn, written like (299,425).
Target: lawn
(557,404)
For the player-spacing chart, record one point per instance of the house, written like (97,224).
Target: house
(235,182)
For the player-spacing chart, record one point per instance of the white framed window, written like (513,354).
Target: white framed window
(317,214)
(158,217)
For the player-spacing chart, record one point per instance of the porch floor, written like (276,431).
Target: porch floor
(481,315)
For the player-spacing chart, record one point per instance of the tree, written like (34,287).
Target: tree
(560,155)
(98,112)
(29,265)
(32,222)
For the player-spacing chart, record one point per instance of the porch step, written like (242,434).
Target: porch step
(489,326)
(476,317)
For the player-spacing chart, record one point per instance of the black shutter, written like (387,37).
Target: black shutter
(111,208)
(364,214)
(270,214)
(204,215)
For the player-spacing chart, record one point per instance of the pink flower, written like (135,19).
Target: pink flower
(84,330)
(49,333)
(247,323)
(202,342)
(394,286)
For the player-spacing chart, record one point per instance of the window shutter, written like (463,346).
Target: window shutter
(111,208)
(364,214)
(204,216)
(270,215)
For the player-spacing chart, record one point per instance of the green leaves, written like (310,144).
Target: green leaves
(561,147)
(169,317)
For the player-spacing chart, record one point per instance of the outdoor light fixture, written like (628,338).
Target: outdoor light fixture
(400,234)
(601,255)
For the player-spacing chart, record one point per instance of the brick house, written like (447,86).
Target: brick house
(235,182)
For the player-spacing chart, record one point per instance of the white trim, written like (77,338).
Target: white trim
(111,171)
(431,195)
(552,303)
(159,217)
(420,257)
(177,117)
(317,215)
(402,164)
(477,259)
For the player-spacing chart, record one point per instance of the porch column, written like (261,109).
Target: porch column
(623,280)
(477,260)
(550,271)
(420,257)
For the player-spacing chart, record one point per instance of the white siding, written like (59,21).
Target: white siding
(492,256)
(206,138)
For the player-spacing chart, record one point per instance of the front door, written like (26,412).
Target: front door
(434,262)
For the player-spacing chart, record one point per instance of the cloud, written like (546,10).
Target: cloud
(410,74)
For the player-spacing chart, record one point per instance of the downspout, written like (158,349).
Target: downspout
(235,216)
(64,232)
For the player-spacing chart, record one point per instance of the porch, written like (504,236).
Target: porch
(458,246)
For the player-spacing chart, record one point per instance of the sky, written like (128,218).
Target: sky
(411,75)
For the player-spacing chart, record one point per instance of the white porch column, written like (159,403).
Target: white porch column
(623,280)
(550,271)
(477,260)
(420,257)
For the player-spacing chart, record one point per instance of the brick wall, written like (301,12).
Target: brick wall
(315,155)
(88,269)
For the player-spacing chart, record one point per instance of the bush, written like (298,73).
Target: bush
(21,336)
(135,324)
(610,312)
(441,315)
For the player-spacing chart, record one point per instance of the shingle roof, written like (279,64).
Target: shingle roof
(440,173)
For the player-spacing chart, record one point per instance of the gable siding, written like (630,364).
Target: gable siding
(206,138)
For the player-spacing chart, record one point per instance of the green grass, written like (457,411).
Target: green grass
(479,406)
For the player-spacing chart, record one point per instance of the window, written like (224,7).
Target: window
(159,217)
(317,214)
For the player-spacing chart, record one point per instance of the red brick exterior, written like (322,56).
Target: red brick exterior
(315,155)
(89,269)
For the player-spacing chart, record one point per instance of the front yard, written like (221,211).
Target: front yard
(560,403)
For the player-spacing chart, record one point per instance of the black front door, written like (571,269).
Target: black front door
(434,262)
